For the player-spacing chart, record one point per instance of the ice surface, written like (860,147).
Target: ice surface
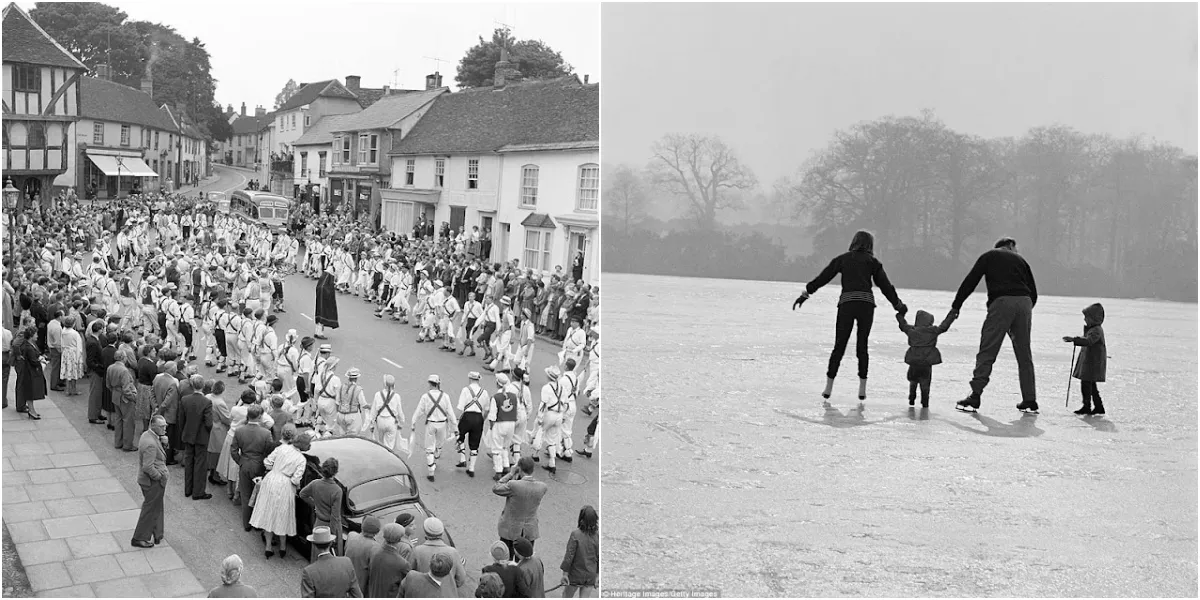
(722,469)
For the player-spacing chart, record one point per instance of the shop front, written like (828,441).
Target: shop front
(112,174)
(400,210)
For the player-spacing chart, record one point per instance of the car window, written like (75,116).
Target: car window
(379,491)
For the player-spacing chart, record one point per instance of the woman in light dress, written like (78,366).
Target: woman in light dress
(221,420)
(275,507)
(72,356)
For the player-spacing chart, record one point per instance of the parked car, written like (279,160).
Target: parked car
(221,200)
(374,481)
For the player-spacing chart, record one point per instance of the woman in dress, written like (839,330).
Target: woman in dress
(237,417)
(72,355)
(221,420)
(325,497)
(31,382)
(275,507)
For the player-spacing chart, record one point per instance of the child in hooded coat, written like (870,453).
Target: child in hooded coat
(1093,359)
(922,352)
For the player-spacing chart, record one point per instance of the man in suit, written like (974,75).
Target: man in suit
(329,576)
(523,495)
(388,567)
(96,372)
(166,397)
(252,443)
(422,555)
(435,583)
(195,423)
(152,478)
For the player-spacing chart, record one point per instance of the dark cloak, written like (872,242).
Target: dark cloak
(327,312)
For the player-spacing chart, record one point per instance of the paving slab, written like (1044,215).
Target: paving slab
(7,466)
(163,558)
(126,587)
(50,476)
(32,449)
(69,507)
(26,511)
(92,487)
(82,590)
(172,584)
(48,576)
(18,429)
(14,494)
(97,544)
(29,531)
(29,463)
(114,521)
(48,491)
(114,501)
(96,568)
(16,477)
(133,561)
(89,472)
(66,527)
(46,551)
(70,446)
(74,459)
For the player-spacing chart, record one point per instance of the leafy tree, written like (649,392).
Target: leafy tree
(533,58)
(96,34)
(289,89)
(702,170)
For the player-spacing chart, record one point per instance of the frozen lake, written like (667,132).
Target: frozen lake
(727,473)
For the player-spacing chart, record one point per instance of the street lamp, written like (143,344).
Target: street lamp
(120,163)
(10,205)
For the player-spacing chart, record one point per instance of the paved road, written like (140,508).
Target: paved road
(207,531)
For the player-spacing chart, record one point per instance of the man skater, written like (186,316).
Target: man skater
(470,425)
(1012,294)
(435,411)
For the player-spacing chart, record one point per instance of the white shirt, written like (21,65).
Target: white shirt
(469,393)
(379,412)
(426,405)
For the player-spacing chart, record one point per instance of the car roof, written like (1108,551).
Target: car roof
(359,459)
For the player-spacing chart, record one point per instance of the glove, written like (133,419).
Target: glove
(902,309)
(800,300)
(1068,339)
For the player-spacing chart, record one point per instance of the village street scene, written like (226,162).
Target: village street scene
(341,342)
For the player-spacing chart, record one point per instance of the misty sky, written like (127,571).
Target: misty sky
(257,46)
(775,81)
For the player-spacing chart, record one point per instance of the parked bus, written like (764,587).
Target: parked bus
(260,207)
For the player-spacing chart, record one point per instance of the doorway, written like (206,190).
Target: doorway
(579,242)
(502,255)
(458,218)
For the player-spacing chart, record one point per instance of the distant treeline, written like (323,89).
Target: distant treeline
(724,255)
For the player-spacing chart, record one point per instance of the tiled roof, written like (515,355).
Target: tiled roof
(331,88)
(105,100)
(26,42)
(321,132)
(540,220)
(484,120)
(388,110)
(369,96)
(249,124)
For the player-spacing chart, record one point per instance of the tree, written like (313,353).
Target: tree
(289,89)
(702,170)
(533,58)
(96,34)
(625,196)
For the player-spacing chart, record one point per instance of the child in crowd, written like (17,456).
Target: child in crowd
(922,352)
(1093,359)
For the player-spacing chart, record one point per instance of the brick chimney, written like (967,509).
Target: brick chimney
(352,82)
(104,72)
(243,109)
(433,81)
(505,71)
(229,110)
(260,111)
(148,86)
(585,79)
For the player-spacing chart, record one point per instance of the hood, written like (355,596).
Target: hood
(923,319)
(1094,314)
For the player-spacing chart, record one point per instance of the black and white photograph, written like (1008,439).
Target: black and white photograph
(900,300)
(301,299)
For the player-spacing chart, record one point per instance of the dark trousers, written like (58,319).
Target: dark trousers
(195,459)
(174,444)
(1010,316)
(591,428)
(849,314)
(150,522)
(95,395)
(919,376)
(7,369)
(1091,392)
(55,368)
(124,425)
(245,487)
(219,335)
(512,551)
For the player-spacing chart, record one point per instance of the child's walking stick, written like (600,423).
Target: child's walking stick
(1069,373)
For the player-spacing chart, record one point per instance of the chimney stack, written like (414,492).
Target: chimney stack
(148,86)
(505,72)
(433,81)
(352,82)
(243,109)
(229,110)
(585,79)
(260,111)
(104,72)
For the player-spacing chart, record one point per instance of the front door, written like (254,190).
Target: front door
(458,218)
(501,255)
(579,243)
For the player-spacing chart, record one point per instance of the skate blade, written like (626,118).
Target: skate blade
(966,409)
(1028,411)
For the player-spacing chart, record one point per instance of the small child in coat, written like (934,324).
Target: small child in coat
(922,352)
(1093,359)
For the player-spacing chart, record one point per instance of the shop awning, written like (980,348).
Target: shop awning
(127,167)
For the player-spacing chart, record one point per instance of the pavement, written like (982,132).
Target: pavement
(205,532)
(71,519)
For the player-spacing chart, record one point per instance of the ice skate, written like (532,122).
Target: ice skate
(1028,406)
(828,389)
(1097,407)
(968,404)
(1086,409)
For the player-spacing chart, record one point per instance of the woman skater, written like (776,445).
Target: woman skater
(858,268)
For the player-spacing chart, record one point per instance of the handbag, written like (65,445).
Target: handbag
(254,494)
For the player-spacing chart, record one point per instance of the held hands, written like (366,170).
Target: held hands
(902,309)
